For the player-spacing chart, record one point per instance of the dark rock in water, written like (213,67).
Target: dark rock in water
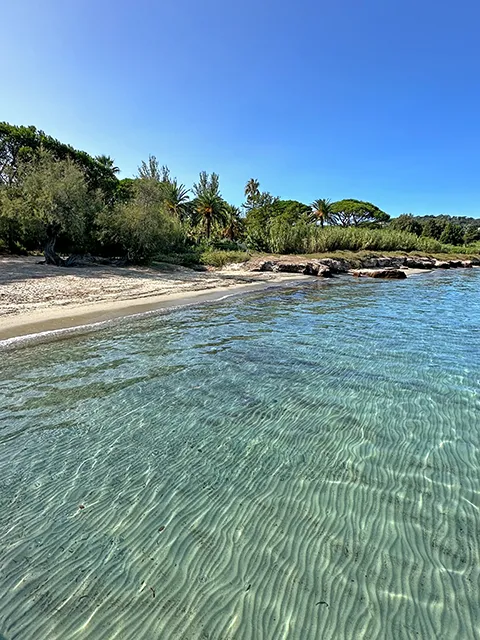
(389,274)
(467,264)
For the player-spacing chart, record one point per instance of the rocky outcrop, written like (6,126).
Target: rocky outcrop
(336,265)
(388,274)
(389,267)
(382,262)
(419,262)
(293,265)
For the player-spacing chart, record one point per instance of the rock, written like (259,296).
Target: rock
(285,266)
(335,265)
(417,262)
(324,271)
(389,274)
(310,267)
(325,267)
(259,265)
(394,262)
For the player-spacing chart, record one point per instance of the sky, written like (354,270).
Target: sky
(370,99)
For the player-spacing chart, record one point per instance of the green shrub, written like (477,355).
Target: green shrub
(221,258)
(187,259)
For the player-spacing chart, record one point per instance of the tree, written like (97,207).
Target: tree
(252,193)
(108,163)
(452,234)
(19,145)
(472,233)
(259,208)
(290,211)
(350,212)
(209,204)
(407,222)
(52,196)
(433,227)
(14,142)
(153,170)
(175,197)
(233,223)
(321,210)
(143,226)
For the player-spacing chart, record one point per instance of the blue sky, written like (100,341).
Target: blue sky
(369,99)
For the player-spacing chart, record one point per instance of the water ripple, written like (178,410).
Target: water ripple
(296,464)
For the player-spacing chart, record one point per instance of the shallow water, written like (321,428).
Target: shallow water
(300,464)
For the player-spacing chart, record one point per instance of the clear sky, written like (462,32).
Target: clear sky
(371,99)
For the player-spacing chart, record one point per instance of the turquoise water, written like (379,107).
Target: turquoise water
(300,464)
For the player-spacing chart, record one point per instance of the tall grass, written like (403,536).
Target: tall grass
(305,238)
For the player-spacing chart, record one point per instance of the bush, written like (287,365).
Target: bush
(187,259)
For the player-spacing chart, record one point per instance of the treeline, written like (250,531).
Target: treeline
(56,199)
(453,230)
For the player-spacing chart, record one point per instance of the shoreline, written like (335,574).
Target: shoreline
(41,300)
(75,316)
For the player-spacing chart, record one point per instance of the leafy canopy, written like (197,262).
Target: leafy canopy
(209,206)
(351,212)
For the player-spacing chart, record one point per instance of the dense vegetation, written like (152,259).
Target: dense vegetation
(56,199)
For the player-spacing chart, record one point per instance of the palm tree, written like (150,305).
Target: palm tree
(107,163)
(321,210)
(252,192)
(176,197)
(209,204)
(233,223)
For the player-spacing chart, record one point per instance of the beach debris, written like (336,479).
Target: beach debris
(322,602)
(153,591)
(248,588)
(162,528)
(81,506)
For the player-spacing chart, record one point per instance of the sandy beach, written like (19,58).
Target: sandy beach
(36,298)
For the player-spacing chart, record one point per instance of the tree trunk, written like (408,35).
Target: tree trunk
(51,257)
(209,226)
